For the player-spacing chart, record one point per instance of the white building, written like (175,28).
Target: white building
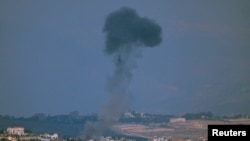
(54,136)
(177,120)
(48,136)
(129,115)
(15,130)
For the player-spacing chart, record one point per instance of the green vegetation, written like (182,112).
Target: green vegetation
(72,124)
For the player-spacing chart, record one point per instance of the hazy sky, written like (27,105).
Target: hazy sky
(52,59)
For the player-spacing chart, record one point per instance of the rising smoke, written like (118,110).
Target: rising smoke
(126,34)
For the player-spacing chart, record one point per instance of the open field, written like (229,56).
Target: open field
(192,129)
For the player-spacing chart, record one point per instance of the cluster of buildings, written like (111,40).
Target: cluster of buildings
(108,138)
(49,136)
(15,131)
(18,133)
(176,139)
(169,139)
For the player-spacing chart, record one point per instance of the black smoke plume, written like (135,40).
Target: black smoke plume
(126,34)
(125,27)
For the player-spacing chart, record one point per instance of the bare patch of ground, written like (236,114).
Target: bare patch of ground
(192,129)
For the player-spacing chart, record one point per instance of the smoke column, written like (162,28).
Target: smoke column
(126,34)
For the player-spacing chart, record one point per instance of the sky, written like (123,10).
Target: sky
(52,57)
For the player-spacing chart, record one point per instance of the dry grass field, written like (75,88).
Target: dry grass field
(192,129)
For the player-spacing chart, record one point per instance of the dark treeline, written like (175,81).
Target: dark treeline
(71,124)
(209,115)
